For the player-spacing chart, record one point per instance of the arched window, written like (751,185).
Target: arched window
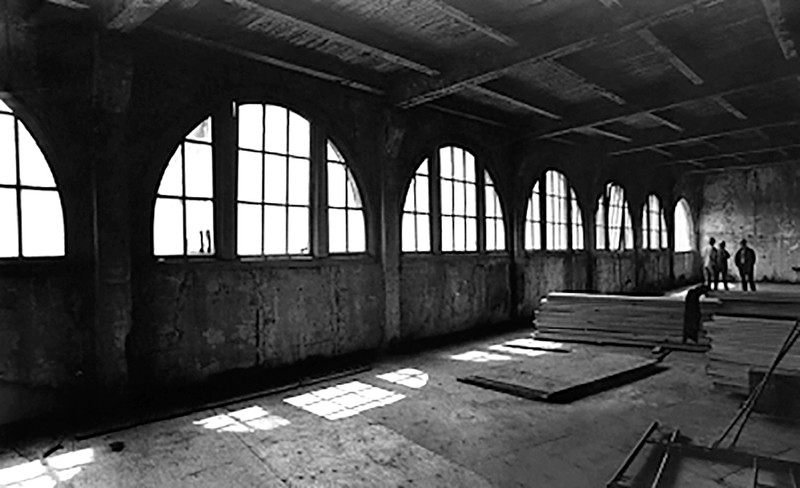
(614,228)
(183,220)
(345,211)
(684,229)
(467,200)
(31,217)
(563,223)
(654,226)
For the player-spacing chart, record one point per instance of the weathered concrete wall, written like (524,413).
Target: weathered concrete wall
(687,268)
(447,294)
(761,205)
(541,273)
(654,270)
(614,271)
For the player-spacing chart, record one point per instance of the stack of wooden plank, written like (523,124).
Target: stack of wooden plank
(767,304)
(618,320)
(739,344)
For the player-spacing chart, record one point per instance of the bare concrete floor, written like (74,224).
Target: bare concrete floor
(414,428)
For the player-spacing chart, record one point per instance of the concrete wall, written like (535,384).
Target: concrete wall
(541,273)
(761,205)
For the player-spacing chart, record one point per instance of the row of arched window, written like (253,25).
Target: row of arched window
(451,204)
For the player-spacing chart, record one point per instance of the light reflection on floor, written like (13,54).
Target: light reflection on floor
(248,419)
(409,377)
(46,473)
(480,357)
(345,400)
(515,350)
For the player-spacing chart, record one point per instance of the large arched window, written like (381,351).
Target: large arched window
(684,229)
(562,223)
(468,205)
(31,217)
(345,211)
(613,225)
(654,226)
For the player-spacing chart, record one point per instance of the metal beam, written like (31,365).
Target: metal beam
(268,13)
(778,23)
(604,133)
(673,59)
(133,14)
(477,25)
(513,101)
(728,106)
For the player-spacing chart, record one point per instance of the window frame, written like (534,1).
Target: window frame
(690,231)
(649,214)
(603,229)
(539,226)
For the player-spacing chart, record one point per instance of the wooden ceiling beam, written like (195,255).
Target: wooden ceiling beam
(514,102)
(647,36)
(668,123)
(738,154)
(782,32)
(466,115)
(474,24)
(559,43)
(131,14)
(728,106)
(604,133)
(599,90)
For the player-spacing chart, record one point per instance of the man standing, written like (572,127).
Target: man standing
(721,268)
(745,260)
(710,263)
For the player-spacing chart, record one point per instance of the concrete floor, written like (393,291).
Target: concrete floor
(428,430)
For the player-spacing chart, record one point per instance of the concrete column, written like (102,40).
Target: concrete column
(390,246)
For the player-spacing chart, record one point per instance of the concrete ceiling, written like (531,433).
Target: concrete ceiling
(691,83)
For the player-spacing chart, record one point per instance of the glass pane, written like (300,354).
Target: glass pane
(199,170)
(458,164)
(336,185)
(490,235)
(274,179)
(446,162)
(529,235)
(251,126)
(4,107)
(337,226)
(549,235)
(172,179)
(42,224)
(423,233)
(274,229)
(249,186)
(409,234)
(472,235)
(8,152)
(33,169)
(9,231)
(459,234)
(422,194)
(356,238)
(299,186)
(501,236)
(470,167)
(298,231)
(409,205)
(472,204)
(248,232)
(447,197)
(423,168)
(353,195)
(299,136)
(202,132)
(333,153)
(168,227)
(199,227)
(459,197)
(447,234)
(275,124)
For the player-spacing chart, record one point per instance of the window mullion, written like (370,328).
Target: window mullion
(435,192)
(19,188)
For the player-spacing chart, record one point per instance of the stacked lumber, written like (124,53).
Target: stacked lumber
(739,344)
(618,319)
(767,304)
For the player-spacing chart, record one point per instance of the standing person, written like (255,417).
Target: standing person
(745,260)
(710,263)
(721,267)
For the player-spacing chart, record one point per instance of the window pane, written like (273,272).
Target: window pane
(501,235)
(472,235)
(422,194)
(299,136)
(447,234)
(199,170)
(298,181)
(356,238)
(337,225)
(9,231)
(336,185)
(472,204)
(298,231)
(333,154)
(490,235)
(423,168)
(447,197)
(459,195)
(446,162)
(199,227)
(202,132)
(423,233)
(172,179)
(409,233)
(8,158)
(274,179)
(33,169)
(353,195)
(275,125)
(248,232)
(250,167)
(42,224)
(251,128)
(458,164)
(274,229)
(409,205)
(4,107)
(459,234)
(470,167)
(168,227)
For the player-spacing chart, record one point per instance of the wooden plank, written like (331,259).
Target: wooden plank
(668,123)
(728,106)
(474,24)
(673,59)
(604,133)
(514,102)
(780,29)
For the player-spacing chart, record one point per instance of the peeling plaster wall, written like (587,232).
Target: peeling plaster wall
(761,205)
(541,273)
(654,272)
(614,272)
(687,267)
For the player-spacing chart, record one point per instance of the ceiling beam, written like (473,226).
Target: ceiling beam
(466,115)
(599,90)
(70,4)
(738,154)
(554,44)
(133,13)
(514,102)
(661,152)
(668,123)
(474,24)
(267,13)
(778,23)
(604,133)
(647,36)
(728,106)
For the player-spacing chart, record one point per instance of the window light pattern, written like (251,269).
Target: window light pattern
(480,357)
(417,213)
(577,221)
(183,222)
(345,211)
(412,378)
(654,226)
(684,230)
(495,229)
(458,199)
(345,400)
(614,224)
(533,221)
(31,216)
(274,167)
(47,473)
(517,350)
(249,419)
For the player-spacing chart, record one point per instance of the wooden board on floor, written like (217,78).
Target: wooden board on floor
(564,377)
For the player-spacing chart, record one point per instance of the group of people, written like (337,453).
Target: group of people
(715,264)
